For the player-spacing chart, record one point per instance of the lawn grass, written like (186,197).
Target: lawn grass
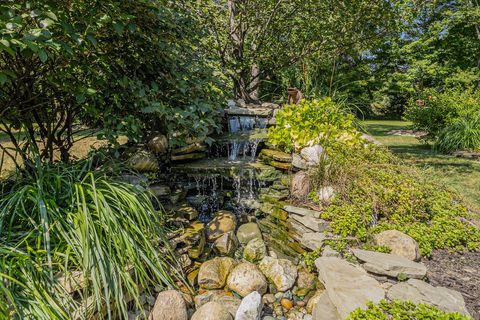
(461,175)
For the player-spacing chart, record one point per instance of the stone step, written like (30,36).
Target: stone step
(221,166)
(302,211)
(389,264)
(257,111)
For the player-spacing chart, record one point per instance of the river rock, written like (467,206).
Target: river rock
(223,222)
(313,155)
(247,232)
(212,311)
(390,264)
(158,144)
(193,238)
(306,283)
(298,162)
(324,309)
(312,240)
(300,187)
(226,244)
(419,291)
(169,305)
(255,250)
(144,161)
(226,299)
(326,194)
(250,308)
(281,272)
(401,244)
(348,286)
(213,273)
(246,278)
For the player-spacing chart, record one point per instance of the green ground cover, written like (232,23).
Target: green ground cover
(462,175)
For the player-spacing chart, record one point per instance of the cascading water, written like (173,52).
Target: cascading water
(227,180)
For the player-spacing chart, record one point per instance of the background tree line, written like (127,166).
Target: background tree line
(130,67)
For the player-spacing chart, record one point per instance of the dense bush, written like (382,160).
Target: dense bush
(65,221)
(397,310)
(443,109)
(125,67)
(311,122)
(462,134)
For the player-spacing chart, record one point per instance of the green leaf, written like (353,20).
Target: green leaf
(42,54)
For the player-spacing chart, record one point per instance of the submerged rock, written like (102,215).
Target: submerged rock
(213,273)
(247,232)
(246,278)
(212,311)
(169,305)
(390,264)
(418,291)
(401,244)
(250,308)
(281,272)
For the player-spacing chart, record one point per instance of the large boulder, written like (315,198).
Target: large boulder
(281,272)
(246,278)
(313,155)
(418,291)
(300,187)
(348,286)
(401,244)
(255,250)
(169,305)
(212,311)
(223,222)
(247,232)
(250,308)
(390,265)
(213,273)
(158,144)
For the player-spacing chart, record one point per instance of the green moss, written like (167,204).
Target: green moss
(397,310)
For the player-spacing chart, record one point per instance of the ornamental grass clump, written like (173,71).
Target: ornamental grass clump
(59,221)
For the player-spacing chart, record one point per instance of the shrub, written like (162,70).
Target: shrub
(311,122)
(377,192)
(64,220)
(462,134)
(397,310)
(442,109)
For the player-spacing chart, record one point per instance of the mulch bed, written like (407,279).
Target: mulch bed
(457,271)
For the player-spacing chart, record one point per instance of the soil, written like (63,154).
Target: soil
(460,272)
